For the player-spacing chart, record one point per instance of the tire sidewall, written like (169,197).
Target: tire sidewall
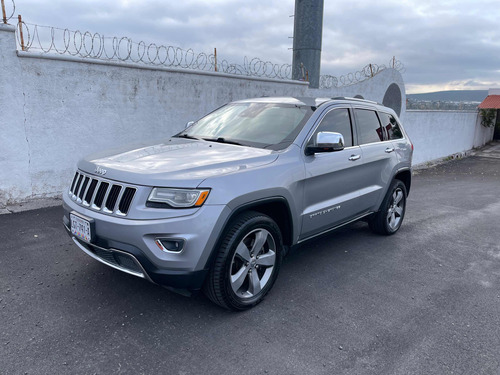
(388,199)
(258,222)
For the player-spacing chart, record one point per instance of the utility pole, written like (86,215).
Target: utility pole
(307,33)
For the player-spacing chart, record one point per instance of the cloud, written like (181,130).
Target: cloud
(440,43)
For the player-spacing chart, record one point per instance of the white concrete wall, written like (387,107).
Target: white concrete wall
(437,134)
(371,89)
(56,109)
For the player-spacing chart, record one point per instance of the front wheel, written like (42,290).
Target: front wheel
(389,218)
(247,263)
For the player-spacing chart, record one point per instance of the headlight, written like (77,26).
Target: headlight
(179,198)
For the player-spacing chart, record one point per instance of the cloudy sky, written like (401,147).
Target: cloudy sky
(444,45)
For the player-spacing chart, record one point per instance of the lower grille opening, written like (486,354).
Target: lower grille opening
(117,259)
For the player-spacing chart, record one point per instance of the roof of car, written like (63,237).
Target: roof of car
(308,101)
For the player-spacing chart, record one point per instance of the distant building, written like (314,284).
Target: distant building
(492,101)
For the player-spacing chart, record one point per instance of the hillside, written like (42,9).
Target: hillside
(451,96)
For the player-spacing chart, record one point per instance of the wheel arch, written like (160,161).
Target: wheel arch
(405,177)
(277,208)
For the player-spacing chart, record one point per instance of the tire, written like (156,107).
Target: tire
(389,218)
(247,263)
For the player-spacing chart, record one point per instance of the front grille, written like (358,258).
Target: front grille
(101,195)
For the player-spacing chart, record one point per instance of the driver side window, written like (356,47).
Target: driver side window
(339,121)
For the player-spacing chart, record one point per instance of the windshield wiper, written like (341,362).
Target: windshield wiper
(224,140)
(187,136)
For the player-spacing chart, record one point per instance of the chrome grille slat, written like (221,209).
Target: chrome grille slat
(101,195)
(83,189)
(125,201)
(89,194)
(72,187)
(92,201)
(103,204)
(112,198)
(78,187)
(119,199)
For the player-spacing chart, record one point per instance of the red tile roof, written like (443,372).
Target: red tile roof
(491,101)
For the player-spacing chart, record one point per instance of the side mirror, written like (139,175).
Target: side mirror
(188,124)
(325,142)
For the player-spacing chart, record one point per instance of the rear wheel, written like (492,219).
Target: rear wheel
(247,263)
(392,211)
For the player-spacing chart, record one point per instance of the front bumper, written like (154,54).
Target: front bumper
(128,244)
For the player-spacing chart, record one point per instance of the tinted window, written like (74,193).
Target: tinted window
(391,126)
(368,126)
(337,121)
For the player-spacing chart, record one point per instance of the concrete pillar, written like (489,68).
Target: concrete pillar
(307,33)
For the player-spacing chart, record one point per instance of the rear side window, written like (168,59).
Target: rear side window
(368,126)
(339,121)
(391,126)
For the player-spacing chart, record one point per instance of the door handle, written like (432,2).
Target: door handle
(354,157)
(389,150)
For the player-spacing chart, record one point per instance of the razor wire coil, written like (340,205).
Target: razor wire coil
(369,71)
(49,39)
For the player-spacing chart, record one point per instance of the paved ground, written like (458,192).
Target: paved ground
(425,301)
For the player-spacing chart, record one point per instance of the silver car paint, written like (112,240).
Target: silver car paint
(321,190)
(185,161)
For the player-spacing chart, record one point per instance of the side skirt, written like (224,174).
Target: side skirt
(336,227)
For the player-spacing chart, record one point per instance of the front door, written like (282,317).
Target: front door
(333,179)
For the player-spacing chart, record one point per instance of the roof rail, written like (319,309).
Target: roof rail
(355,99)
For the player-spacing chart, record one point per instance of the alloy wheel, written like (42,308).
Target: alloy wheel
(253,263)
(396,209)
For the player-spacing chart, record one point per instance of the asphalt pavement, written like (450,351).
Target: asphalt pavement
(424,301)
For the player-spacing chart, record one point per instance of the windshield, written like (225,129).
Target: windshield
(263,125)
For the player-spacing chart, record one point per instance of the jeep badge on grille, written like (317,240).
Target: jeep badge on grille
(100,170)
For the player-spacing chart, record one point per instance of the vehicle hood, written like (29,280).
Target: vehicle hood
(176,162)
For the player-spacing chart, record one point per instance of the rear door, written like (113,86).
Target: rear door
(379,158)
(396,135)
(332,178)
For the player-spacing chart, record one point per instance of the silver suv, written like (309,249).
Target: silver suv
(217,206)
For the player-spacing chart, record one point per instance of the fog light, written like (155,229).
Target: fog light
(171,245)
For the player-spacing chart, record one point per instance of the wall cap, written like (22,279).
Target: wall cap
(120,64)
(439,110)
(7,27)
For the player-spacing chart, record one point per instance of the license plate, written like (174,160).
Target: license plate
(80,228)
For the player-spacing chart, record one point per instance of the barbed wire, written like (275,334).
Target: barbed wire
(8,18)
(48,39)
(369,71)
